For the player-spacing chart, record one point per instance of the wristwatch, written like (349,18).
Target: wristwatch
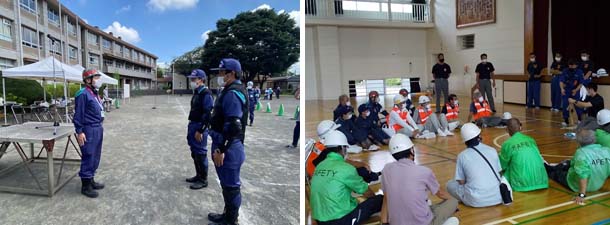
(582,195)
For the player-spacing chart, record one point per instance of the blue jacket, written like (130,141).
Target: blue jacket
(571,80)
(88,109)
(253,96)
(231,107)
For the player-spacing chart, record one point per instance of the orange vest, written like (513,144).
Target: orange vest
(423,115)
(317,150)
(482,110)
(452,113)
(403,116)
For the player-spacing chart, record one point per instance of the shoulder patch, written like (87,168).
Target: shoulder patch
(79,92)
(240,95)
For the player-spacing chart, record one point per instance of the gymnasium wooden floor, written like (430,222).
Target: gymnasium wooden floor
(550,206)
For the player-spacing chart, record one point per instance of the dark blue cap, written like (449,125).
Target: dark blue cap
(362,108)
(229,64)
(345,109)
(197,73)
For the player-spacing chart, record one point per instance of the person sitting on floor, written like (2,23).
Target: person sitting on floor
(324,129)
(405,185)
(588,169)
(451,110)
(521,160)
(332,185)
(365,123)
(475,184)
(354,135)
(424,117)
(602,133)
(481,113)
(592,104)
(375,108)
(401,121)
(405,94)
(343,103)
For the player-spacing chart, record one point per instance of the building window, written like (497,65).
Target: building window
(94,59)
(72,28)
(29,37)
(106,43)
(6,30)
(92,38)
(53,16)
(6,63)
(54,46)
(29,5)
(73,52)
(108,62)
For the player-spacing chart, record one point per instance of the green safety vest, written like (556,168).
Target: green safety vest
(602,137)
(332,185)
(591,162)
(523,166)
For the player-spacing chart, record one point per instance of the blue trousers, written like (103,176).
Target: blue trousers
(555,93)
(91,151)
(251,108)
(198,148)
(565,103)
(228,173)
(533,93)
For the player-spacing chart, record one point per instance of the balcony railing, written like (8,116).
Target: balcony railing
(384,10)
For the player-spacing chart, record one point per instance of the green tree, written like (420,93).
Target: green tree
(265,43)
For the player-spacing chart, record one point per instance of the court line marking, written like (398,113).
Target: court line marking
(182,108)
(512,221)
(543,209)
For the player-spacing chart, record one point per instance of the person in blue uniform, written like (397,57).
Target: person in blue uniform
(296,131)
(533,84)
(344,102)
(197,132)
(365,123)
(228,134)
(253,97)
(354,135)
(570,82)
(375,108)
(587,66)
(556,69)
(88,118)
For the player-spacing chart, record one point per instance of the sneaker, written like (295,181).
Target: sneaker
(448,133)
(374,148)
(452,221)
(441,133)
(564,124)
(430,136)
(354,149)
(537,108)
(290,146)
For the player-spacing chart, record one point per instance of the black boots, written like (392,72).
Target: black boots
(200,180)
(87,188)
(96,185)
(232,197)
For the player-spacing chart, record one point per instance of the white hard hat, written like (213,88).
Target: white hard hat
(602,72)
(325,127)
(469,131)
(603,117)
(423,99)
(399,143)
(399,99)
(250,84)
(335,138)
(507,116)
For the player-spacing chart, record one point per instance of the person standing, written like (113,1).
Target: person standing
(556,69)
(587,66)
(197,132)
(88,118)
(533,84)
(228,134)
(296,132)
(485,80)
(571,81)
(277,92)
(441,72)
(253,97)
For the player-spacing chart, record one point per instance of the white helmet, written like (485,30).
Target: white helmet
(335,138)
(250,84)
(507,116)
(602,72)
(399,99)
(399,143)
(603,117)
(325,127)
(423,99)
(469,131)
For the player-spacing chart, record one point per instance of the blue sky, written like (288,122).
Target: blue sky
(167,28)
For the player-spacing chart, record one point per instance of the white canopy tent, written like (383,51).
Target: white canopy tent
(46,69)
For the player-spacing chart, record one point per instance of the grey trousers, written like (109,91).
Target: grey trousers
(491,121)
(441,85)
(443,210)
(487,92)
(435,122)
(589,123)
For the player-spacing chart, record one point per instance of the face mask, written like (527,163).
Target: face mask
(348,103)
(349,116)
(428,107)
(532,60)
(441,60)
(557,59)
(403,106)
(194,84)
(584,58)
(220,80)
(456,102)
(484,60)
(366,114)
(97,84)
(481,99)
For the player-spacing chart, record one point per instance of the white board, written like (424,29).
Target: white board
(126,91)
